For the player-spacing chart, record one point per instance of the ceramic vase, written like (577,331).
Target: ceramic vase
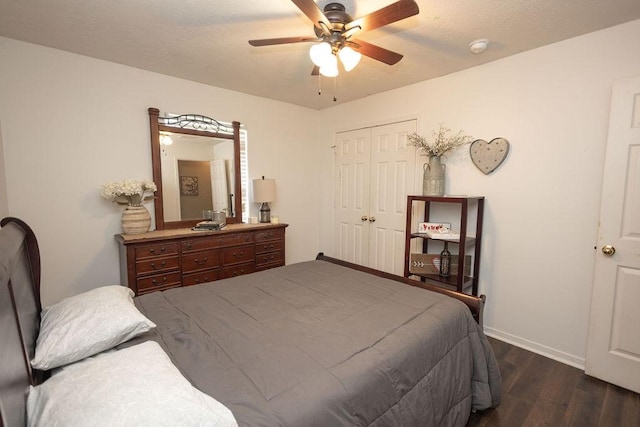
(135,220)
(433,178)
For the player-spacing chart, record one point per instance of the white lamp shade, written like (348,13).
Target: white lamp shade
(330,69)
(320,53)
(349,58)
(264,190)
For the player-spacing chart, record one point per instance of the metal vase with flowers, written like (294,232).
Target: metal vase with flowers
(433,181)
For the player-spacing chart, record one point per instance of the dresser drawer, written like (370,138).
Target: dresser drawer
(158,282)
(235,239)
(276,245)
(202,260)
(238,270)
(199,243)
(271,258)
(202,277)
(262,236)
(157,249)
(157,265)
(216,241)
(238,254)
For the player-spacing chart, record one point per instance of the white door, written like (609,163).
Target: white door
(219,185)
(613,350)
(393,165)
(352,195)
(375,170)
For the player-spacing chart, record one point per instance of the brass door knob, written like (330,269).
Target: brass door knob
(364,218)
(372,219)
(608,250)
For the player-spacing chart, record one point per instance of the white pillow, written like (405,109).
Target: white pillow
(86,324)
(135,386)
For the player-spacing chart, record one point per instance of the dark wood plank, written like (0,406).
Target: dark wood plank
(621,407)
(538,391)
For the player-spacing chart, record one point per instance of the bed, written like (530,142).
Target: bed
(316,343)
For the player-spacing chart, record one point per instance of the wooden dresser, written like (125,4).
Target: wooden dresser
(160,260)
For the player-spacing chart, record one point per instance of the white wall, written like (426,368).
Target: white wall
(72,123)
(542,204)
(4,203)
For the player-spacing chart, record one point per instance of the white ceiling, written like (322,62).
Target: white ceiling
(206,40)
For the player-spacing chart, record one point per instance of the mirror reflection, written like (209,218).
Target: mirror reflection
(197,169)
(197,175)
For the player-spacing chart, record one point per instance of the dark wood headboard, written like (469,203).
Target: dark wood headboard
(20,309)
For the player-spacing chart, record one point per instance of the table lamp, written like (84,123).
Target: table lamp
(264,191)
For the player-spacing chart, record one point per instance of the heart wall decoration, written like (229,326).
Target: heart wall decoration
(487,156)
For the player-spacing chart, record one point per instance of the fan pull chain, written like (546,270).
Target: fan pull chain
(335,84)
(319,84)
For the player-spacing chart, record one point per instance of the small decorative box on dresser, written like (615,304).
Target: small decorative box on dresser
(166,259)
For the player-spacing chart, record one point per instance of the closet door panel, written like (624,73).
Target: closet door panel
(352,196)
(393,165)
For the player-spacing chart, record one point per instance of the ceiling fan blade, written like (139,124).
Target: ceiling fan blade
(376,52)
(387,15)
(315,71)
(282,40)
(314,13)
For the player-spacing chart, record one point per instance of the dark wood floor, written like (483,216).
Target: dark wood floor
(538,391)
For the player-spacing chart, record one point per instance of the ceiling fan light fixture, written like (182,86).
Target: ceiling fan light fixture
(330,68)
(321,53)
(349,57)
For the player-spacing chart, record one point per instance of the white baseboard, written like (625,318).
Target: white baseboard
(566,358)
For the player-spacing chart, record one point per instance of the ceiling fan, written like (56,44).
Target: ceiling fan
(334,30)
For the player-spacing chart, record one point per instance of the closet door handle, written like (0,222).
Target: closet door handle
(363,218)
(372,219)
(608,250)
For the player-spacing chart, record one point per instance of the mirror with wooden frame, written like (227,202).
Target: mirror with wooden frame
(196,167)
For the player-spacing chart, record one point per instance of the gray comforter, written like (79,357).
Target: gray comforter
(317,344)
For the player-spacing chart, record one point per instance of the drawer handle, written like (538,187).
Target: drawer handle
(206,279)
(155,282)
(188,245)
(236,255)
(200,262)
(162,264)
(153,250)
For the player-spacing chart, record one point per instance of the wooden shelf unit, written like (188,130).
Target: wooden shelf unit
(458,281)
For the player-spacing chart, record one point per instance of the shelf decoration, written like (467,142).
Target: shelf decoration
(433,183)
(444,234)
(425,227)
(487,156)
(430,264)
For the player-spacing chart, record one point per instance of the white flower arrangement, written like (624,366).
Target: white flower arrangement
(442,141)
(129,192)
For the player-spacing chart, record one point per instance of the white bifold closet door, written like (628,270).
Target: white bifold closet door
(375,171)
